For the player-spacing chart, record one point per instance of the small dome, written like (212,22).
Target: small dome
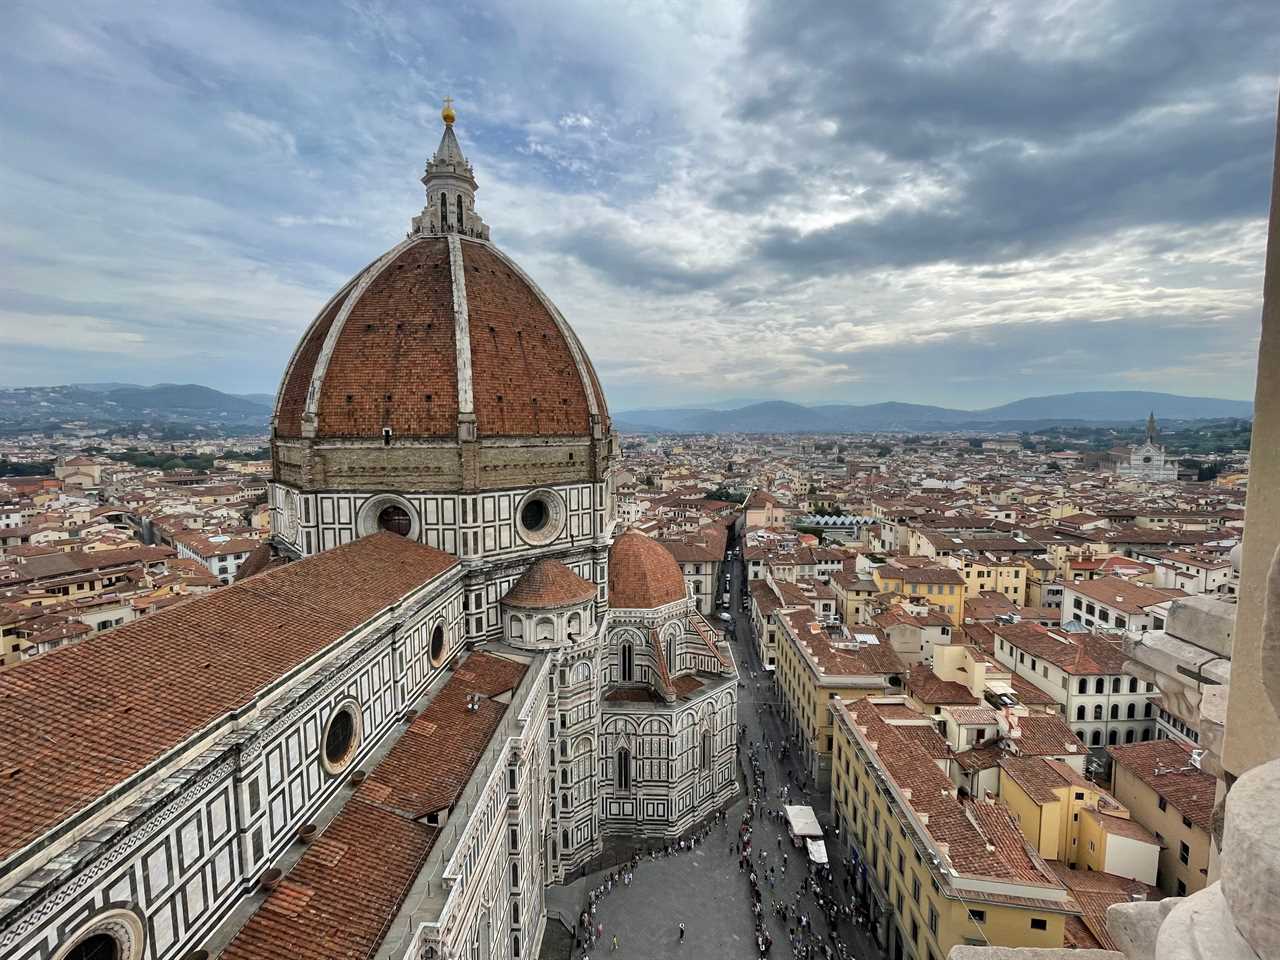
(643,574)
(549,583)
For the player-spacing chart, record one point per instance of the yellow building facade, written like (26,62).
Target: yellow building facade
(812,671)
(934,870)
(942,587)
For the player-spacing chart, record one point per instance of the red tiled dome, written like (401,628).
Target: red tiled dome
(549,583)
(386,352)
(643,574)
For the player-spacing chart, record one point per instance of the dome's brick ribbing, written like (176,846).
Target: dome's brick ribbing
(524,377)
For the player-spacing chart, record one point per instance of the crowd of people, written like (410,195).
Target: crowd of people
(590,929)
(810,915)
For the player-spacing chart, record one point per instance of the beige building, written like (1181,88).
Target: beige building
(1166,791)
(1071,819)
(938,869)
(818,663)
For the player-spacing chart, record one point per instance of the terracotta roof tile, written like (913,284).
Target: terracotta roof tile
(341,896)
(178,671)
(643,574)
(1160,765)
(549,583)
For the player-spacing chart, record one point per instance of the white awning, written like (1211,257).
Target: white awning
(817,851)
(803,822)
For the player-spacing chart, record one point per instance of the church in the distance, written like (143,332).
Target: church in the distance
(447,683)
(1147,461)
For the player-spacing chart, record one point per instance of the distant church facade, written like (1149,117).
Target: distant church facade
(1147,461)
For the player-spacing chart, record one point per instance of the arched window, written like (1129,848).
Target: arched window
(444,212)
(1100,686)
(565,806)
(1146,734)
(1096,738)
(516,629)
(1115,711)
(1146,710)
(1080,734)
(1128,735)
(546,629)
(1115,684)
(705,759)
(1080,712)
(1084,685)
(1097,711)
(459,211)
(1112,737)
(623,778)
(626,662)
(1133,684)
(564,840)
(1132,711)
(564,749)
(582,671)
(515,875)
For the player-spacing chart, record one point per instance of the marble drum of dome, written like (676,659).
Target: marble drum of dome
(441,395)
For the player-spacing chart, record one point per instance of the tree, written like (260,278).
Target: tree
(883,452)
(37,468)
(1208,471)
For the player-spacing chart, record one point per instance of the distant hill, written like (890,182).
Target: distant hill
(105,405)
(184,398)
(1095,407)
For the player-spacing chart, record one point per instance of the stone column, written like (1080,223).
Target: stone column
(1253,724)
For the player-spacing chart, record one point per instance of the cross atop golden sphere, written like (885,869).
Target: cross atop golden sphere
(447,114)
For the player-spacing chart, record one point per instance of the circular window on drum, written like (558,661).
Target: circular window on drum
(115,934)
(437,645)
(395,519)
(390,512)
(341,737)
(540,516)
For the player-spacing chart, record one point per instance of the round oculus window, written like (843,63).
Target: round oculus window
(534,515)
(395,519)
(341,734)
(437,645)
(540,517)
(115,934)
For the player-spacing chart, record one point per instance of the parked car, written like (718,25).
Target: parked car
(726,616)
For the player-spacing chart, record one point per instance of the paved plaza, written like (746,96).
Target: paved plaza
(703,887)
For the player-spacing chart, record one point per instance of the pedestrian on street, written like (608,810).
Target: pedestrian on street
(615,942)
(682,931)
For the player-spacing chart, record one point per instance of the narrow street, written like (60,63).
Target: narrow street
(704,887)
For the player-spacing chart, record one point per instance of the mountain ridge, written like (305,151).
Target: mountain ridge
(781,416)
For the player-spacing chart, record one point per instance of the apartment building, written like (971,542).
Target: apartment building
(939,585)
(818,663)
(1085,675)
(1113,602)
(1166,791)
(936,868)
(1071,819)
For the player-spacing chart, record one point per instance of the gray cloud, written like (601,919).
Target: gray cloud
(826,200)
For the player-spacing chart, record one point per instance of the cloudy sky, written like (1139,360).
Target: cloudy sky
(948,202)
